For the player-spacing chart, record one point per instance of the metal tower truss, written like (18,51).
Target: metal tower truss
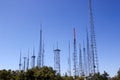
(69,62)
(57,60)
(20,64)
(28,61)
(39,59)
(43,51)
(93,48)
(85,60)
(88,54)
(75,66)
(33,59)
(80,62)
(24,66)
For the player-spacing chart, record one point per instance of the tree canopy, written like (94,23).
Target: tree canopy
(47,73)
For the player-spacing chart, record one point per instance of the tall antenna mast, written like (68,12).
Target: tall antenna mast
(28,60)
(33,58)
(80,62)
(39,61)
(88,53)
(69,62)
(57,60)
(20,62)
(75,56)
(85,62)
(24,67)
(43,51)
(93,41)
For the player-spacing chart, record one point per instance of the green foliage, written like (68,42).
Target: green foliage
(99,76)
(5,75)
(44,73)
(30,75)
(80,78)
(47,73)
(118,75)
(67,78)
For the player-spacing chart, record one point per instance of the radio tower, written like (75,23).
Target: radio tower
(39,59)
(28,61)
(69,62)
(57,60)
(93,41)
(80,62)
(20,62)
(75,56)
(85,58)
(88,53)
(24,67)
(43,51)
(33,58)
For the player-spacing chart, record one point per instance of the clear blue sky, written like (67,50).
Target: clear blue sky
(20,23)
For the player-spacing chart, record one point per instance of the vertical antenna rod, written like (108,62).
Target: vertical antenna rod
(20,62)
(24,67)
(85,62)
(39,61)
(88,53)
(69,62)
(80,62)
(33,58)
(75,56)
(43,51)
(93,41)
(28,61)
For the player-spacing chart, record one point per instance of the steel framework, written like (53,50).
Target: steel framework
(93,48)
(57,60)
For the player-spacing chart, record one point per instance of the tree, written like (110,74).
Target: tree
(98,76)
(118,75)
(29,75)
(20,75)
(105,76)
(5,75)
(45,73)
(80,78)
(13,75)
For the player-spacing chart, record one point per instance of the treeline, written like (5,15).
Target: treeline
(47,73)
(44,73)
